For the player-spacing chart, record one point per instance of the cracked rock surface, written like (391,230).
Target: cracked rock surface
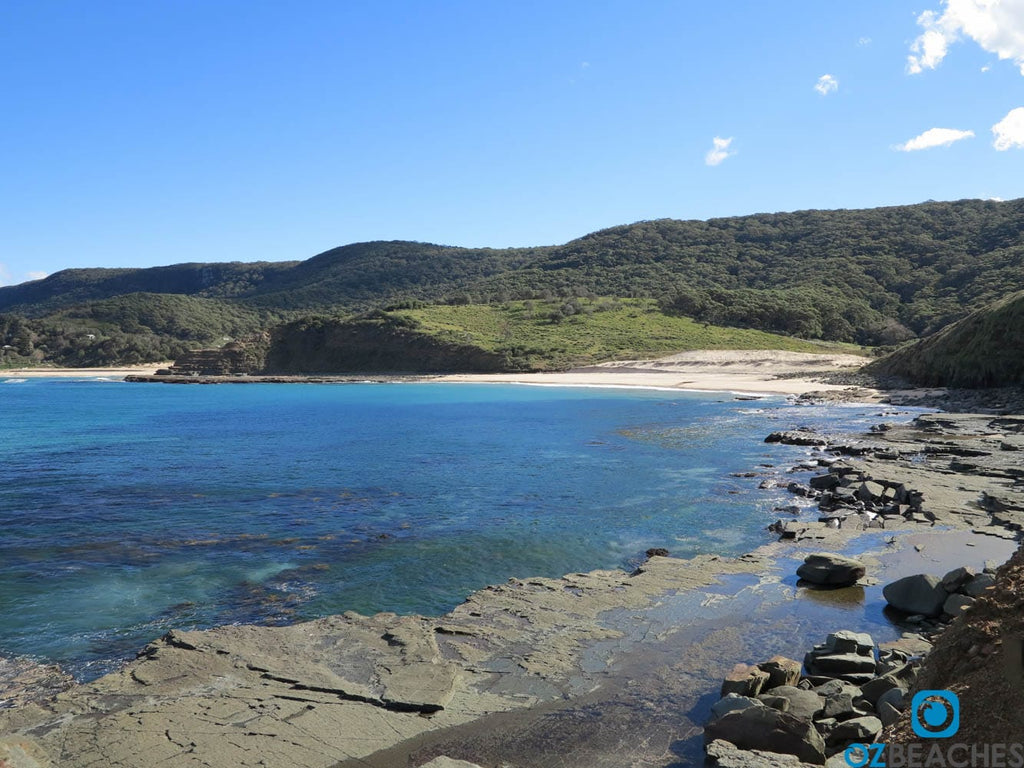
(344,687)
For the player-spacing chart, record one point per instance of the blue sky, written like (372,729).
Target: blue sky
(142,133)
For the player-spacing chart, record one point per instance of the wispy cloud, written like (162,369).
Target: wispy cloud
(1009,132)
(5,275)
(864,41)
(934,137)
(719,150)
(36,274)
(996,25)
(826,84)
(580,73)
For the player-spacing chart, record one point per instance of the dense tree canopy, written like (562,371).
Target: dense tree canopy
(877,276)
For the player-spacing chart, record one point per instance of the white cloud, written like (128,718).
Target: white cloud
(996,25)
(36,274)
(864,41)
(5,275)
(719,151)
(826,84)
(1009,132)
(934,137)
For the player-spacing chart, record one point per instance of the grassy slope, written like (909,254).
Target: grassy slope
(603,330)
(985,349)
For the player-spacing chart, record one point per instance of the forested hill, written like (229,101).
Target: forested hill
(876,276)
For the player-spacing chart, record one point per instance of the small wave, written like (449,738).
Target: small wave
(14,381)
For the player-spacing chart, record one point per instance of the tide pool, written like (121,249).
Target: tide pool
(128,509)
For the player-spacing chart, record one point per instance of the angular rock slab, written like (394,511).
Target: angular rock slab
(768,729)
(727,755)
(781,671)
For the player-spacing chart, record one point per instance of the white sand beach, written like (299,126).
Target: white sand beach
(754,371)
(45,372)
(746,371)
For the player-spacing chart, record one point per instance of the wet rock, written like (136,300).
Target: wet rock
(824,482)
(830,569)
(768,729)
(921,593)
(781,671)
(796,437)
(744,680)
(23,681)
(799,489)
(656,552)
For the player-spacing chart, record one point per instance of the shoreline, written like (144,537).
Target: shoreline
(751,372)
(514,656)
(81,373)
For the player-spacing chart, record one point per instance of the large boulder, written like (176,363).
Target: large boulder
(803,704)
(769,730)
(857,730)
(733,702)
(744,680)
(830,569)
(727,755)
(781,671)
(921,594)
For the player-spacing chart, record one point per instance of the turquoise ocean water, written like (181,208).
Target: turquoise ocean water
(126,510)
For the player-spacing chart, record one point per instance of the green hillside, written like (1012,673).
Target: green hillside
(517,336)
(135,328)
(985,349)
(871,277)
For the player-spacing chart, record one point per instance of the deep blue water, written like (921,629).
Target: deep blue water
(128,509)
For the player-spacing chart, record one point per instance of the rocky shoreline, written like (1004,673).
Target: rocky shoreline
(604,668)
(847,690)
